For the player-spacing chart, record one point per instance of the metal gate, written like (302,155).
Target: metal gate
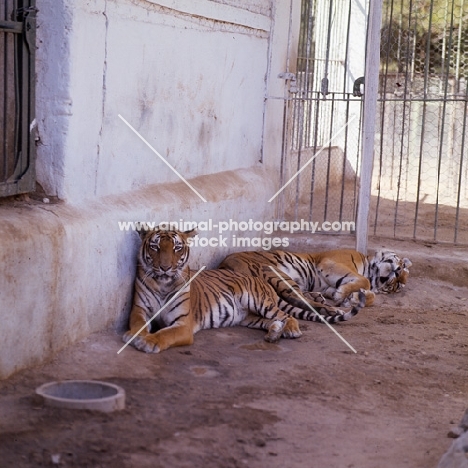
(324,115)
(17,53)
(419,184)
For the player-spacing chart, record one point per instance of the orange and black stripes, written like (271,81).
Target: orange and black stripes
(215,298)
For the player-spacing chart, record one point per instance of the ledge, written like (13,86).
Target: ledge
(217,12)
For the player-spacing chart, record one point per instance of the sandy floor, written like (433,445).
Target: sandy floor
(233,400)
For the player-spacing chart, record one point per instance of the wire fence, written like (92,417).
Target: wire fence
(421,171)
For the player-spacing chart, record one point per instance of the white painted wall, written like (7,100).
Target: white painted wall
(196,79)
(193,86)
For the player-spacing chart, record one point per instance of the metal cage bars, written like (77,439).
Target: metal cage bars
(17,55)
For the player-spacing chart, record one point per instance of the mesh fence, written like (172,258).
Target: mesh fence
(420,171)
(419,186)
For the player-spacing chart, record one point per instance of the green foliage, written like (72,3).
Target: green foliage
(426,36)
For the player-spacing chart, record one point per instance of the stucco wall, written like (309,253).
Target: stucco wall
(193,86)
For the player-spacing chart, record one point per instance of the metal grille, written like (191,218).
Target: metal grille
(324,116)
(17,51)
(420,173)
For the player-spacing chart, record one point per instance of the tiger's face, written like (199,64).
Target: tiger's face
(164,253)
(391,271)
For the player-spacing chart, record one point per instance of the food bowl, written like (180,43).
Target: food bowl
(83,394)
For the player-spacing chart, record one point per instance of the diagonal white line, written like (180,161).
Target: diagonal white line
(161,158)
(313,310)
(312,158)
(162,308)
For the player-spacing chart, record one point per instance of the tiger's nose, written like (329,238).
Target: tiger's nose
(165,268)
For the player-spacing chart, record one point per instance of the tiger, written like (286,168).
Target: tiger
(168,309)
(339,276)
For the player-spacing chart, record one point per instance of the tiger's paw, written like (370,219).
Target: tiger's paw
(146,344)
(315,296)
(128,337)
(275,331)
(142,343)
(355,299)
(291,328)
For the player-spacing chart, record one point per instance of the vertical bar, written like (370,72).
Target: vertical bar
(383,112)
(5,100)
(280,204)
(21,85)
(32,95)
(327,56)
(300,102)
(346,59)
(462,150)
(312,179)
(459,48)
(297,123)
(310,70)
(406,104)
(285,136)
(343,168)
(368,132)
(424,113)
(327,177)
(444,108)
(23,109)
(358,159)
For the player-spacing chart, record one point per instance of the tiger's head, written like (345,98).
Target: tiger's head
(164,253)
(389,272)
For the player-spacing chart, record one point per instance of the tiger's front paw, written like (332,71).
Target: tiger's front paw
(315,296)
(127,337)
(141,342)
(355,299)
(146,344)
(291,328)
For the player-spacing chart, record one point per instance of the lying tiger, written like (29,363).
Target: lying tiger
(215,298)
(338,275)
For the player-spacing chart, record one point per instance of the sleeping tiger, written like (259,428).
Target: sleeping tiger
(215,298)
(338,275)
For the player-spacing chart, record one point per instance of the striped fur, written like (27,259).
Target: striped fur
(336,276)
(213,299)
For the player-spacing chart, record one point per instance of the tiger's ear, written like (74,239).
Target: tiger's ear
(188,234)
(143,233)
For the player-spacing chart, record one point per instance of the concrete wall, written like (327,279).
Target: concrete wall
(195,79)
(193,86)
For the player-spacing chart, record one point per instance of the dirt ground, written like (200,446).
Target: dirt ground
(233,400)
